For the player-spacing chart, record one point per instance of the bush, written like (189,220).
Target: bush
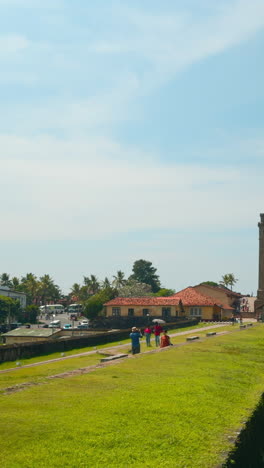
(95,304)
(29,314)
(8,308)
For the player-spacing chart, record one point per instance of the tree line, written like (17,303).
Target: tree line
(92,293)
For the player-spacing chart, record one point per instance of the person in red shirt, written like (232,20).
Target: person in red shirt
(165,340)
(147,333)
(157,331)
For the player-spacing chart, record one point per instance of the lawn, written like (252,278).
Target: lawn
(175,408)
(40,373)
(10,364)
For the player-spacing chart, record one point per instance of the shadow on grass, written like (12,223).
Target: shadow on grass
(249,448)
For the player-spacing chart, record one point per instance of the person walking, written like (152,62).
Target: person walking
(157,331)
(135,336)
(165,340)
(147,333)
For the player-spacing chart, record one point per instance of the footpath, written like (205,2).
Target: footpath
(108,349)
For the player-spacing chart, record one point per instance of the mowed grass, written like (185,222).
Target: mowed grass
(175,408)
(46,357)
(39,373)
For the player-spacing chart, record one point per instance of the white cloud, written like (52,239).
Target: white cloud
(172,42)
(92,186)
(10,44)
(69,199)
(152,51)
(32,4)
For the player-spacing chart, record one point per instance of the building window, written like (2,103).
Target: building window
(115,311)
(166,312)
(145,312)
(130,312)
(196,311)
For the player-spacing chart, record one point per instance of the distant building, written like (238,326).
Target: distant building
(228,299)
(186,303)
(247,305)
(31,335)
(22,297)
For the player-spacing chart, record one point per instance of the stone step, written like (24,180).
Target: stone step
(112,358)
(211,334)
(192,338)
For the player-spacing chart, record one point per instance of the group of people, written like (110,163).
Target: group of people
(162,339)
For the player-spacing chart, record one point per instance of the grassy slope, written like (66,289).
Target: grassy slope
(39,373)
(175,408)
(10,364)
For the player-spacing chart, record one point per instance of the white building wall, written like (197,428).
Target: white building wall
(14,295)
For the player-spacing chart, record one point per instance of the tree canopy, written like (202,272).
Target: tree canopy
(94,305)
(9,308)
(228,280)
(144,272)
(134,288)
(210,283)
(164,292)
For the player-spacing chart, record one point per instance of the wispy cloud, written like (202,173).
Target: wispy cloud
(11,44)
(99,196)
(170,43)
(88,184)
(153,49)
(32,4)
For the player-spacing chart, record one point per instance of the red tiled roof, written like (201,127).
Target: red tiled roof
(143,301)
(191,297)
(221,288)
(188,296)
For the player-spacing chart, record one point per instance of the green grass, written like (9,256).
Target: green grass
(10,364)
(40,373)
(175,408)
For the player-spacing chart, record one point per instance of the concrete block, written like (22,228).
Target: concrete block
(192,338)
(243,326)
(112,358)
(210,333)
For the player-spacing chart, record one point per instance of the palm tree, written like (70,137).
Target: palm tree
(75,290)
(106,283)
(30,285)
(119,279)
(86,280)
(228,280)
(48,290)
(92,283)
(5,280)
(232,280)
(15,282)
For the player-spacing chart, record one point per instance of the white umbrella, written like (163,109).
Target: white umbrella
(158,321)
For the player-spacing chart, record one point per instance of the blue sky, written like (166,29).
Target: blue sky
(131,130)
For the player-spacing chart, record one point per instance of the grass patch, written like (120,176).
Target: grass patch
(40,373)
(10,364)
(173,408)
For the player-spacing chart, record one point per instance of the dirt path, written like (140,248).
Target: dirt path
(111,348)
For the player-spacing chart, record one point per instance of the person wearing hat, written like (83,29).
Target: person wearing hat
(135,335)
